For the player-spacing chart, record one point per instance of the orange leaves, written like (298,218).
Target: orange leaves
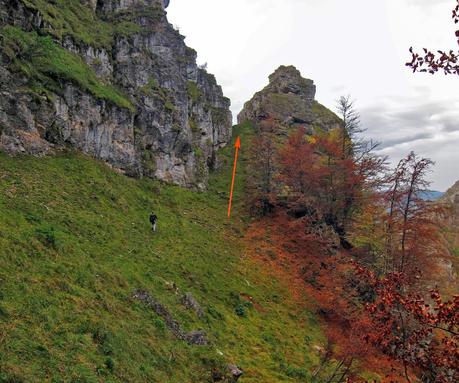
(413,331)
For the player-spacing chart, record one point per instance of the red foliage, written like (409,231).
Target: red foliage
(421,335)
(321,187)
(413,238)
(263,167)
(317,174)
(298,165)
(441,60)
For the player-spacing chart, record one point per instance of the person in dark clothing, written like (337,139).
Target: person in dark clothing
(153,220)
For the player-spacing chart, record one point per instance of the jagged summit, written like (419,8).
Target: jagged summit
(290,99)
(288,80)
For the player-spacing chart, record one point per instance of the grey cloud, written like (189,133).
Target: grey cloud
(405,139)
(450,124)
(416,121)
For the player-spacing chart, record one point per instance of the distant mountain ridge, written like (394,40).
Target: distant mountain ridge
(431,195)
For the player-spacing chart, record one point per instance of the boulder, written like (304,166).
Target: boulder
(191,304)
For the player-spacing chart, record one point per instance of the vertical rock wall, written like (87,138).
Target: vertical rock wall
(140,102)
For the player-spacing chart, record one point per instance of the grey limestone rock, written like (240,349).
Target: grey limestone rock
(179,117)
(290,100)
(197,337)
(190,303)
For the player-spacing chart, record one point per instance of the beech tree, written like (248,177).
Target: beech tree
(263,168)
(423,336)
(298,166)
(431,62)
(412,234)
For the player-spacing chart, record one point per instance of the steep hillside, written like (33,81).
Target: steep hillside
(451,200)
(289,99)
(112,79)
(75,246)
(452,194)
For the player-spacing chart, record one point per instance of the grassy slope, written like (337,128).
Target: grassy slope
(75,242)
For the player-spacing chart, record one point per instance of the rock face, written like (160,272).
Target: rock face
(289,99)
(452,195)
(449,268)
(113,79)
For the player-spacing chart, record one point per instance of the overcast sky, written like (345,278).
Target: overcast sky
(356,47)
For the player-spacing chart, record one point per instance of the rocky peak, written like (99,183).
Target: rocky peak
(288,99)
(287,79)
(119,5)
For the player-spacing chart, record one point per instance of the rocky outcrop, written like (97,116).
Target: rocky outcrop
(452,195)
(197,337)
(449,220)
(231,374)
(113,79)
(290,100)
(191,303)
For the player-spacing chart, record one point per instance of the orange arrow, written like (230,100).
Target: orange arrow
(237,145)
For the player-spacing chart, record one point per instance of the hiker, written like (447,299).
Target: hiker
(153,220)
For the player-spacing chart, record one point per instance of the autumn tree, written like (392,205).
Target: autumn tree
(412,232)
(351,126)
(263,168)
(432,62)
(298,167)
(422,335)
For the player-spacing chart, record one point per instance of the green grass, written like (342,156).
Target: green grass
(322,113)
(73,18)
(153,89)
(194,93)
(75,242)
(46,63)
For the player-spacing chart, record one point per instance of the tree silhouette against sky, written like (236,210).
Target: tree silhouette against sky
(431,62)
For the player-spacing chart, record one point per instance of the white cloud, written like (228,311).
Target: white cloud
(356,47)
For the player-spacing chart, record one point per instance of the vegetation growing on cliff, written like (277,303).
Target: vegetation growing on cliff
(74,19)
(44,62)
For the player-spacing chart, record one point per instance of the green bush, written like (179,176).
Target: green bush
(194,93)
(7,378)
(298,373)
(110,364)
(3,313)
(47,236)
(240,310)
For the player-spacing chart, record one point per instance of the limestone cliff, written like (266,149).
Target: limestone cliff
(289,99)
(452,195)
(111,78)
(450,223)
